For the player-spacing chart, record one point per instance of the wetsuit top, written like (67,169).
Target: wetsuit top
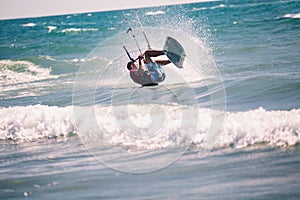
(142,78)
(152,76)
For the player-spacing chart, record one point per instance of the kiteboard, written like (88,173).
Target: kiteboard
(174,51)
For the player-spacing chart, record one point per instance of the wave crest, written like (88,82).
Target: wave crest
(275,128)
(240,129)
(31,123)
(294,16)
(13,72)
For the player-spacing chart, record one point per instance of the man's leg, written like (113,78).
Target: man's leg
(152,53)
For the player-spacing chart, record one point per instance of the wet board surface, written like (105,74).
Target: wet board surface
(174,51)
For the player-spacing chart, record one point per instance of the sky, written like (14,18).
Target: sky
(11,9)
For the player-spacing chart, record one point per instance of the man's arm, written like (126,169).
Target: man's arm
(141,65)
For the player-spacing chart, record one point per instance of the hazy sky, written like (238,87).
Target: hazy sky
(33,8)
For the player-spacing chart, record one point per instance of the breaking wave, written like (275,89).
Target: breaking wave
(240,129)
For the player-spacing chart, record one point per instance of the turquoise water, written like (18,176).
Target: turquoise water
(241,78)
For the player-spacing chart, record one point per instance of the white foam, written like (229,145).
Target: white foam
(76,60)
(51,28)
(46,57)
(240,129)
(29,25)
(147,126)
(276,128)
(13,72)
(209,8)
(77,30)
(292,16)
(159,12)
(23,78)
(34,122)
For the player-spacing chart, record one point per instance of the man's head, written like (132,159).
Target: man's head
(132,65)
(129,65)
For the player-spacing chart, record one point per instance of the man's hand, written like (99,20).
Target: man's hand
(141,66)
(140,60)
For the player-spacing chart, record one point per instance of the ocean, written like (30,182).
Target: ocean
(226,126)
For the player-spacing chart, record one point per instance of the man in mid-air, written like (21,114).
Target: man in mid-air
(148,72)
